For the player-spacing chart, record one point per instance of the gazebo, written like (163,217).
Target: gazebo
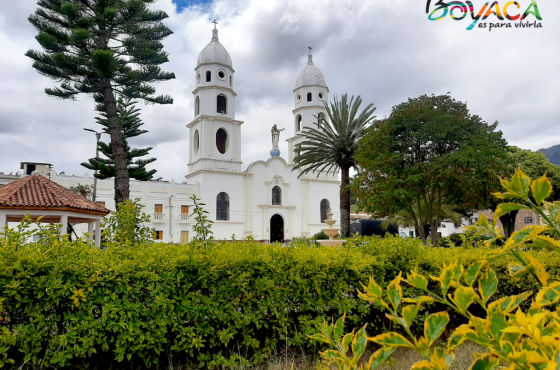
(35,195)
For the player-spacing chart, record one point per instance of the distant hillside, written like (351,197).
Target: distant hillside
(552,153)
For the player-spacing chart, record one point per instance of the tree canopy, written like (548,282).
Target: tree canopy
(431,151)
(103,48)
(130,122)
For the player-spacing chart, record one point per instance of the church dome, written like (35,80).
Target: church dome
(214,52)
(310,75)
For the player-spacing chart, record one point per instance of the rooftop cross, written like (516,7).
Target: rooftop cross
(310,48)
(310,56)
(215,31)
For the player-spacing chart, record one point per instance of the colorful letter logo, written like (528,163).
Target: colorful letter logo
(458,10)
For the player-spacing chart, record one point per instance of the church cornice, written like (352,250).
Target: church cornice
(214,64)
(296,136)
(267,163)
(212,87)
(265,206)
(306,86)
(307,107)
(222,118)
(216,172)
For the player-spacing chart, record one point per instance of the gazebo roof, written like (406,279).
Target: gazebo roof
(38,192)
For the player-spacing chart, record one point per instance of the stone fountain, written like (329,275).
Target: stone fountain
(331,232)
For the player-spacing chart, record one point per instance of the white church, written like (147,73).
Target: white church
(266,200)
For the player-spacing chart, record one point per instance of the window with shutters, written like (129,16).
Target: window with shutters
(222,207)
(325,206)
(221,104)
(276,196)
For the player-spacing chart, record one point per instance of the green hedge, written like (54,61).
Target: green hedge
(63,304)
(68,301)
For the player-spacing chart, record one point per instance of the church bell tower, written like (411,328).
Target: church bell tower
(310,93)
(215,134)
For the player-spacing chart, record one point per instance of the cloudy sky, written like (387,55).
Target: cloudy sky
(383,50)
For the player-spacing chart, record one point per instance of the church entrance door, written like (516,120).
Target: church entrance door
(276,229)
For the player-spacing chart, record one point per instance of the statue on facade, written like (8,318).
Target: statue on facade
(275,152)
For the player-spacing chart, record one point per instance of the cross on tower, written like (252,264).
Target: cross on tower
(215,23)
(310,48)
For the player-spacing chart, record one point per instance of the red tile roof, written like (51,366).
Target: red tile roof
(37,191)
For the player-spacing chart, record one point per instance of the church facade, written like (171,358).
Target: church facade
(267,200)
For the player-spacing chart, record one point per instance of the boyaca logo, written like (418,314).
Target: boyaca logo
(459,10)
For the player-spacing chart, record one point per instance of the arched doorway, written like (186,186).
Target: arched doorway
(276,229)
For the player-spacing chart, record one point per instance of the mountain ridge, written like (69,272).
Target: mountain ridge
(552,153)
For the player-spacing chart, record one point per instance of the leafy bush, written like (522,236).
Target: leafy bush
(126,226)
(468,238)
(68,302)
(203,225)
(522,337)
(320,236)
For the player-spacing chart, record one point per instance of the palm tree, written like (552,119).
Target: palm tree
(332,145)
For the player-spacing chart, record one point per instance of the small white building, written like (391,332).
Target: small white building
(267,200)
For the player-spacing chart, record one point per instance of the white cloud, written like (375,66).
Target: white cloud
(384,50)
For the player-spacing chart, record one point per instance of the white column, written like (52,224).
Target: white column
(266,225)
(248,205)
(97,233)
(290,225)
(3,220)
(305,206)
(90,229)
(64,222)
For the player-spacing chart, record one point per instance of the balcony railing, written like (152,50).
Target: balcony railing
(158,217)
(184,217)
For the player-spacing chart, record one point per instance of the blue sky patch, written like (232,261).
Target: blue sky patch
(181,4)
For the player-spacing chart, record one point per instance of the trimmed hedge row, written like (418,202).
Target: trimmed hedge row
(65,303)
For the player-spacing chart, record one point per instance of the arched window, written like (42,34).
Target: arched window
(221,140)
(276,196)
(208,76)
(196,141)
(230,81)
(221,104)
(298,123)
(222,207)
(197,106)
(325,206)
(309,97)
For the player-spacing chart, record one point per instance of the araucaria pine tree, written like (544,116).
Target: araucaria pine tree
(106,48)
(129,119)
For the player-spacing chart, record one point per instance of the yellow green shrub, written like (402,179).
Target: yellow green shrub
(521,330)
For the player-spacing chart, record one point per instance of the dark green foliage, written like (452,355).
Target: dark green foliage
(320,236)
(459,240)
(332,146)
(429,154)
(130,122)
(105,48)
(88,40)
